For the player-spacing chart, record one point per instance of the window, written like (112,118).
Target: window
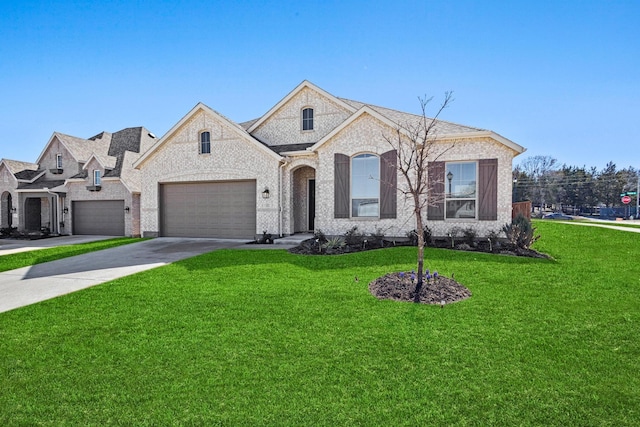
(460,190)
(307,119)
(365,186)
(59,161)
(205,143)
(96,178)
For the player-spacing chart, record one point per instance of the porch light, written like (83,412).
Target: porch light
(14,209)
(450,177)
(65,210)
(266,194)
(127,209)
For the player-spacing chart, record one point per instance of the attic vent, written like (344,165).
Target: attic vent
(151,135)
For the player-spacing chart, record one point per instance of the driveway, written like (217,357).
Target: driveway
(40,282)
(12,246)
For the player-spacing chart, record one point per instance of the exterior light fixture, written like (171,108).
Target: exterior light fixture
(65,210)
(450,177)
(266,194)
(14,209)
(127,209)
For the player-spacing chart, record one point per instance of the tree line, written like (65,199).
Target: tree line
(545,183)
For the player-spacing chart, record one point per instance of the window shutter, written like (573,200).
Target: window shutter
(388,184)
(488,190)
(435,181)
(341,186)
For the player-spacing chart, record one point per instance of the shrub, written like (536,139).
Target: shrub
(319,236)
(426,234)
(333,244)
(469,236)
(353,237)
(377,238)
(520,233)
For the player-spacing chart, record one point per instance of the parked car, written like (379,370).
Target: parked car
(557,215)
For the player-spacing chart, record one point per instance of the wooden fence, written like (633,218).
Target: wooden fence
(523,208)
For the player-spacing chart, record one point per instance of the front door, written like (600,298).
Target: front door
(33,214)
(312,204)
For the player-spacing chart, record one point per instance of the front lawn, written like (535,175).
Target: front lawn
(25,259)
(245,337)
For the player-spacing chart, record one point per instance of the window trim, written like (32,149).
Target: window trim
(58,161)
(378,198)
(447,193)
(97,179)
(201,142)
(305,121)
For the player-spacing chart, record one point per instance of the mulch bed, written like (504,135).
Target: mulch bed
(400,287)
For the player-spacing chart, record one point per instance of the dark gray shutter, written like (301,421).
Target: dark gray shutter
(388,184)
(435,207)
(488,189)
(341,167)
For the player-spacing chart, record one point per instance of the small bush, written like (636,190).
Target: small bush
(426,234)
(353,237)
(469,236)
(319,236)
(520,233)
(377,238)
(333,244)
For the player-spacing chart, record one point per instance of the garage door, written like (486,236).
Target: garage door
(103,217)
(225,209)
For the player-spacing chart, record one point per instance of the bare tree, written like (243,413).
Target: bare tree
(415,145)
(539,170)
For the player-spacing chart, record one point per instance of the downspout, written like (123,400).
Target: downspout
(283,163)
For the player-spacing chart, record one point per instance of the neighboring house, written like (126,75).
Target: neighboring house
(13,172)
(78,186)
(316,162)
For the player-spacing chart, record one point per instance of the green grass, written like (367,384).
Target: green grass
(241,337)
(25,259)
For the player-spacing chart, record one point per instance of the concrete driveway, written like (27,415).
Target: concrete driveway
(12,246)
(40,282)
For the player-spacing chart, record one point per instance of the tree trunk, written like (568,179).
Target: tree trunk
(420,230)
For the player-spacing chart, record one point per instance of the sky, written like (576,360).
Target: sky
(561,78)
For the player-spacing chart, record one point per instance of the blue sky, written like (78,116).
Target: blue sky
(561,78)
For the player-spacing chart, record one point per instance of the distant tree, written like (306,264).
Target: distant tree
(609,184)
(415,145)
(539,171)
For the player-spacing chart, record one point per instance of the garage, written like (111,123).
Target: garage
(99,217)
(222,209)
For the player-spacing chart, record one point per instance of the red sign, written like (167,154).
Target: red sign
(626,200)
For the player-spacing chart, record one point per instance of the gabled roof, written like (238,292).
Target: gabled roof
(133,140)
(107,162)
(407,122)
(28,175)
(81,149)
(17,166)
(254,124)
(195,110)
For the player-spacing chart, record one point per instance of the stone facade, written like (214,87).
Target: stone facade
(340,126)
(284,126)
(177,158)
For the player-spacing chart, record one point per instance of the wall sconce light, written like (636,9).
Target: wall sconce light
(14,209)
(266,194)
(127,209)
(65,210)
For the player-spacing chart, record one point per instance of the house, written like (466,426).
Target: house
(77,186)
(316,162)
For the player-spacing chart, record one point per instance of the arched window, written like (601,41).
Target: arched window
(205,142)
(307,119)
(365,186)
